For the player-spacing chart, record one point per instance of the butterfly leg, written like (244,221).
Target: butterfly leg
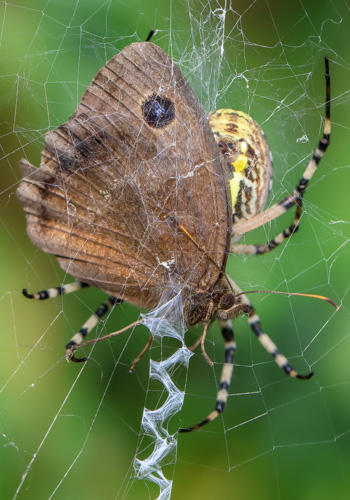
(289,201)
(136,360)
(51,293)
(79,337)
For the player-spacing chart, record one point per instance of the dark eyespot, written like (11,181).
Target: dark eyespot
(158,111)
(227,301)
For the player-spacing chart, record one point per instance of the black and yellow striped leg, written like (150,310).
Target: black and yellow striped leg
(289,201)
(79,337)
(51,293)
(226,375)
(272,244)
(264,339)
(271,348)
(243,305)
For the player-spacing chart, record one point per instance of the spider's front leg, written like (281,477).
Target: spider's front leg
(226,375)
(79,337)
(51,293)
(89,325)
(243,226)
(241,305)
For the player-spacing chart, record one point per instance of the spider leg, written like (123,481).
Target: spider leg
(51,293)
(226,375)
(271,348)
(272,244)
(243,305)
(289,201)
(265,341)
(79,337)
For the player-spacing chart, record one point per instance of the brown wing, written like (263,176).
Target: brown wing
(135,161)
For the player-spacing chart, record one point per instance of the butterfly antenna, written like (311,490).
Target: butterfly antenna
(296,294)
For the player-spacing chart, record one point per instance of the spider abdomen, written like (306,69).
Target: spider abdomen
(248,159)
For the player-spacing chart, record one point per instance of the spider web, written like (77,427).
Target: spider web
(71,431)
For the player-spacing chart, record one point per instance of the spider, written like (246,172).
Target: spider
(249,166)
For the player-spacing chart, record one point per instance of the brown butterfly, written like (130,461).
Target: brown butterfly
(134,196)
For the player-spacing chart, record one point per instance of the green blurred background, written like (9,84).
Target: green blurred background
(72,431)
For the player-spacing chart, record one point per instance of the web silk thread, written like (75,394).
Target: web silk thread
(154,422)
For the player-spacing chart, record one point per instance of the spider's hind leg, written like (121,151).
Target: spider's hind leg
(242,249)
(296,198)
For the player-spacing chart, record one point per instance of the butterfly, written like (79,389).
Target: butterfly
(139,194)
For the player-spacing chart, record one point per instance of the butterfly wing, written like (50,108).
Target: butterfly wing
(132,194)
